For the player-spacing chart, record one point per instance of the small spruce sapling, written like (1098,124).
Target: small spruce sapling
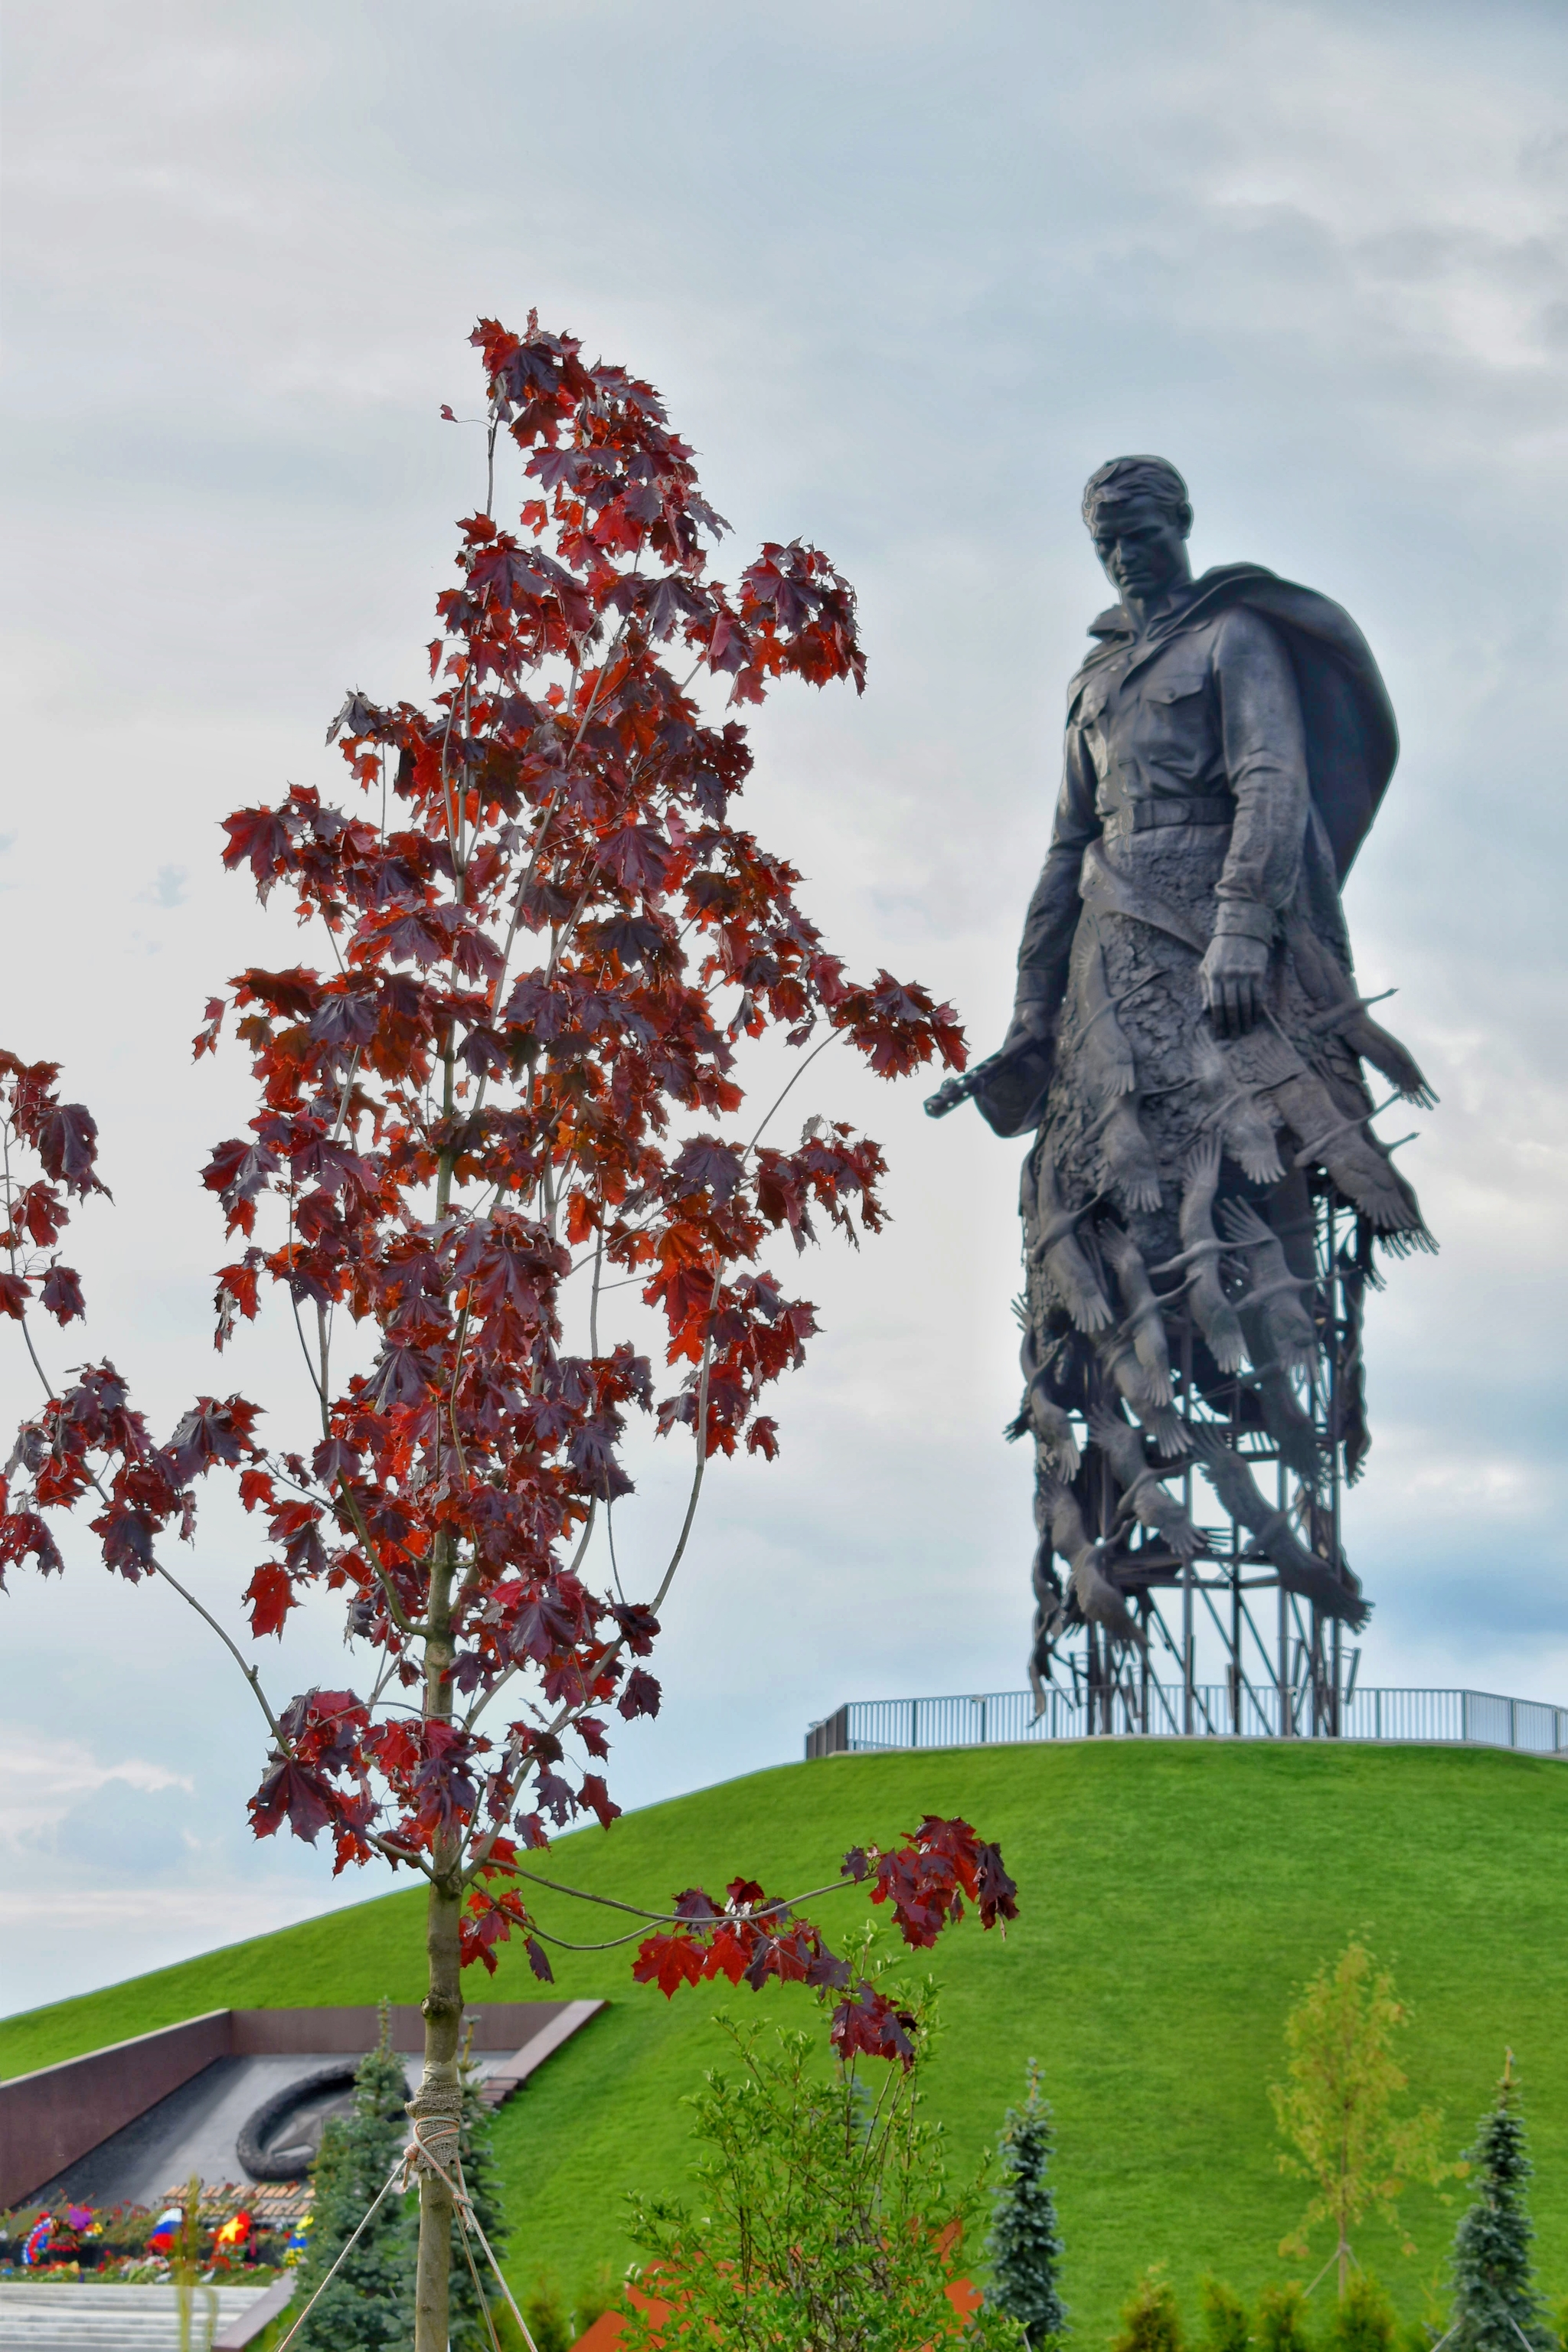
(1151,2321)
(368,2307)
(1226,2327)
(1025,2247)
(1496,2307)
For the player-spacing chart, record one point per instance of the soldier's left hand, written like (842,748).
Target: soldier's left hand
(1232,974)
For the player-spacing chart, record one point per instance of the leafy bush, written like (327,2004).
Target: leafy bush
(544,2309)
(827,2218)
(1226,2327)
(1282,2319)
(1151,2321)
(598,2293)
(1364,2321)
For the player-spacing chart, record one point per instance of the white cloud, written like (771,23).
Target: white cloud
(42,1780)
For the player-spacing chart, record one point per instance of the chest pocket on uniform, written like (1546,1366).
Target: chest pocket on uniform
(1176,684)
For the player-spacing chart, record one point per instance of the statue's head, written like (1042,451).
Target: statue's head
(1139,516)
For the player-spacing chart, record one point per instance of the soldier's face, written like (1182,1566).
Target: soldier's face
(1141,546)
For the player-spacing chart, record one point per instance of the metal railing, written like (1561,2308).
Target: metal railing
(1243,1710)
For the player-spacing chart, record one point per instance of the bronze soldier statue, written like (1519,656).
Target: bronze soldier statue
(1186,1043)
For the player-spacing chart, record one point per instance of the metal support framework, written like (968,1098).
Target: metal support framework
(1286,1670)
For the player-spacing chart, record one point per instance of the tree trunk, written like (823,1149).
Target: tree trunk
(437,2105)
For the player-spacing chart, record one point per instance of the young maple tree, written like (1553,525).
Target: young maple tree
(1336,2110)
(508,1082)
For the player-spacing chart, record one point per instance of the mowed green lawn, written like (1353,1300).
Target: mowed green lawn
(1173,1897)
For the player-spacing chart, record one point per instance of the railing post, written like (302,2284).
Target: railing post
(1286,1707)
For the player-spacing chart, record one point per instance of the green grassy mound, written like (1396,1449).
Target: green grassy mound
(1173,1896)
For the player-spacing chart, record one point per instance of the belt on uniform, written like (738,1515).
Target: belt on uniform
(1141,816)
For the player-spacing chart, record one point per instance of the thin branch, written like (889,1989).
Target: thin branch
(753,1911)
(402,1855)
(388,1669)
(612,1943)
(305,1350)
(250,1674)
(594,1296)
(701,1444)
(348,1089)
(831,1039)
(323,1344)
(415,1628)
(49,1389)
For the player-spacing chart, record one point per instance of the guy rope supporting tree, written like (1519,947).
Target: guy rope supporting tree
(509,1088)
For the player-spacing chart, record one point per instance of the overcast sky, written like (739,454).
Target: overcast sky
(905,273)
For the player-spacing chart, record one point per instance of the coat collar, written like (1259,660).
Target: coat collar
(1222,584)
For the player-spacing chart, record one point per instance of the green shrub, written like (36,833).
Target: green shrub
(1364,2320)
(544,2309)
(597,2294)
(826,2217)
(1226,2325)
(1151,2321)
(1282,2319)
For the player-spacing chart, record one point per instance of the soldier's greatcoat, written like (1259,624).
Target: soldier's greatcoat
(1220,772)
